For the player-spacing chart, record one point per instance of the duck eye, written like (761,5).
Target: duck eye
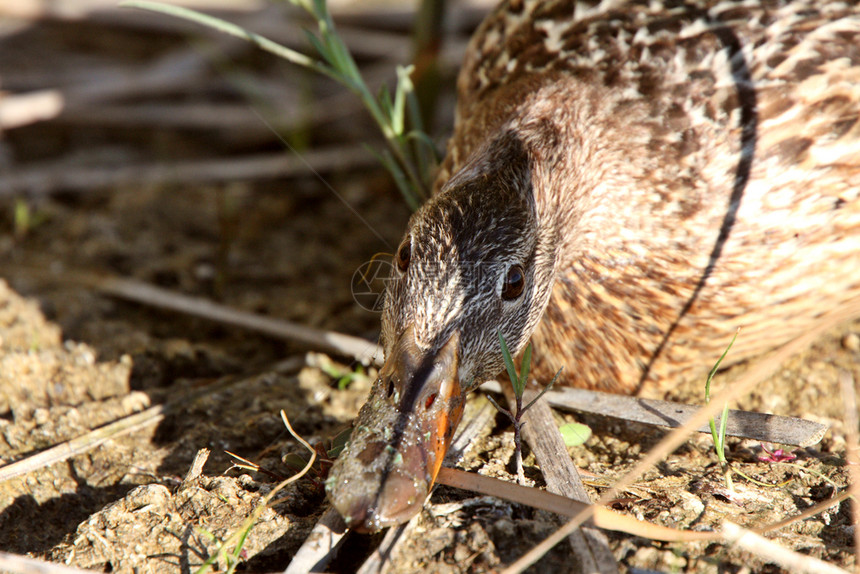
(404,253)
(515,282)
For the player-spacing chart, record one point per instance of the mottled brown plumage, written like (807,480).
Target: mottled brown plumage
(661,172)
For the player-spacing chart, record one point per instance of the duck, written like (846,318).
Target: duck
(627,184)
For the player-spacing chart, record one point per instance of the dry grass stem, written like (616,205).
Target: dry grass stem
(775,553)
(147,294)
(16,564)
(379,561)
(61,177)
(239,535)
(320,546)
(85,443)
(127,425)
(602,517)
(808,513)
(744,384)
(76,9)
(590,546)
(743,424)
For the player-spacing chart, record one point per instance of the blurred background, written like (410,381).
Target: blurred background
(141,146)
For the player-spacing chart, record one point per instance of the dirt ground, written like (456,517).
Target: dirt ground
(72,359)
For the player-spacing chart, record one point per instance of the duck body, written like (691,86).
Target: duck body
(627,184)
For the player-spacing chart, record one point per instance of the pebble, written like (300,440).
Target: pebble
(851,342)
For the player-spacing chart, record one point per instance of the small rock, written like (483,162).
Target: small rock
(41,416)
(851,342)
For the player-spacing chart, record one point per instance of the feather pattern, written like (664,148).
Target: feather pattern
(628,183)
(668,171)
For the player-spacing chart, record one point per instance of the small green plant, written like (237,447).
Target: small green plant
(574,434)
(238,538)
(719,436)
(344,377)
(519,383)
(410,155)
(232,558)
(26,219)
(325,457)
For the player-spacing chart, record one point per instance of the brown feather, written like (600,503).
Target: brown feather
(633,116)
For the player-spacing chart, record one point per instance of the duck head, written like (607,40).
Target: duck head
(476,260)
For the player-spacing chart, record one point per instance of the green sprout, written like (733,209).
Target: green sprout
(26,219)
(410,155)
(232,558)
(719,436)
(343,377)
(519,383)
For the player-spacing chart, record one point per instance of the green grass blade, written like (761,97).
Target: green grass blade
(384,100)
(318,47)
(399,177)
(717,366)
(544,391)
(509,362)
(233,30)
(724,421)
(404,87)
(719,436)
(526,366)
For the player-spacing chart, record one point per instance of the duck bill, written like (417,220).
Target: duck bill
(400,437)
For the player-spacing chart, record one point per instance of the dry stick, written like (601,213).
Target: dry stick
(25,109)
(77,9)
(337,105)
(590,546)
(238,123)
(254,167)
(129,424)
(85,443)
(772,552)
(770,428)
(129,289)
(25,565)
(167,75)
(602,517)
(808,513)
(676,438)
(852,453)
(147,294)
(223,117)
(379,560)
(178,69)
(366,41)
(478,416)
(196,468)
(744,424)
(233,119)
(320,546)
